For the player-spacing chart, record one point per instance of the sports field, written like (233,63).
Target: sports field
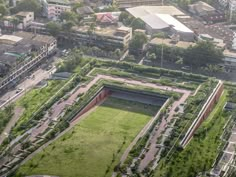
(94,146)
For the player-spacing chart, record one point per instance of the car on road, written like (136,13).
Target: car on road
(19,90)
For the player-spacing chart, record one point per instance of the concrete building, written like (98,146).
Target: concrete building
(108,38)
(52,9)
(20,53)
(208,13)
(133,3)
(20,21)
(25,19)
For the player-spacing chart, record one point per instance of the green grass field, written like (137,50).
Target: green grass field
(94,146)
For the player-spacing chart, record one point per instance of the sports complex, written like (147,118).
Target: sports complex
(114,118)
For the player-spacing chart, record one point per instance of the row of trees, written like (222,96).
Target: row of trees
(203,54)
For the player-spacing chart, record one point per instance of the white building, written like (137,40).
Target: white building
(23,20)
(52,9)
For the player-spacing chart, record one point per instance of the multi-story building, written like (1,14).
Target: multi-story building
(25,19)
(132,3)
(20,21)
(108,38)
(20,53)
(52,9)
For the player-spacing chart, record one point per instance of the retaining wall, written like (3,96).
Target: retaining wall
(204,113)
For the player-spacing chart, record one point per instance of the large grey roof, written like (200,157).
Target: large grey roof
(154,22)
(161,21)
(141,11)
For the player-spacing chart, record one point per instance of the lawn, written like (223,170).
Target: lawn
(201,152)
(94,146)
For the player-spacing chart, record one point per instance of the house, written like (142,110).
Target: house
(108,18)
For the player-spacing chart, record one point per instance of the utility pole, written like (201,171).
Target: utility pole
(162,54)
(230,12)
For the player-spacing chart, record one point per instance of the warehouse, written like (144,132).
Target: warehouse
(141,11)
(156,23)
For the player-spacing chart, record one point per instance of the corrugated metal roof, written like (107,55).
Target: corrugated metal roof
(155,22)
(161,21)
(141,11)
(178,26)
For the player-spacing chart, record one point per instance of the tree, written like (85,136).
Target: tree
(137,23)
(54,28)
(68,16)
(202,54)
(137,42)
(151,56)
(28,5)
(15,21)
(124,15)
(212,69)
(3,10)
(68,25)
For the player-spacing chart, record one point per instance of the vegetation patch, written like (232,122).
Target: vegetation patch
(94,146)
(201,152)
(33,100)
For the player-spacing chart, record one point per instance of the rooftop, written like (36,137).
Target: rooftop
(201,8)
(11,38)
(23,14)
(35,37)
(108,17)
(141,11)
(84,10)
(178,26)
(162,21)
(169,42)
(65,2)
(103,31)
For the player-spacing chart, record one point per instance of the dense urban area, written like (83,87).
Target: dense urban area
(117,88)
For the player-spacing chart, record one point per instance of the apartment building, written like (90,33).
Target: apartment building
(52,9)
(132,3)
(108,38)
(20,53)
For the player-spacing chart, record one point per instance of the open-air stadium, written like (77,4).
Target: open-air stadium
(105,121)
